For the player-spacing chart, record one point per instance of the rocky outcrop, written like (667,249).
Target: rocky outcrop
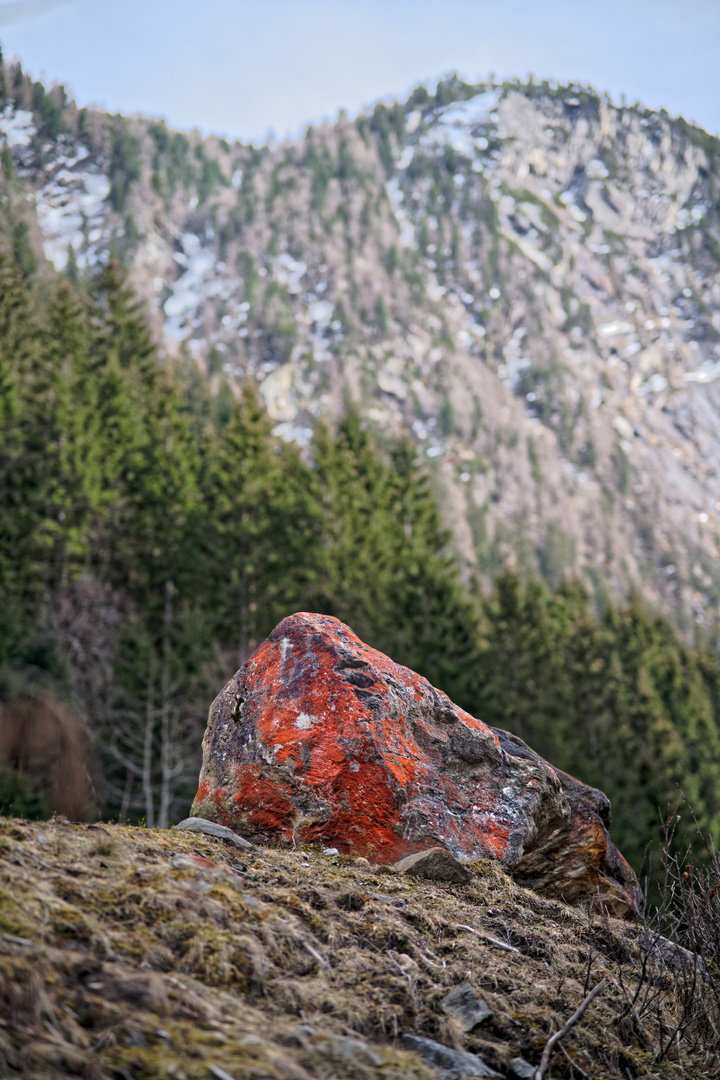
(526,277)
(321,739)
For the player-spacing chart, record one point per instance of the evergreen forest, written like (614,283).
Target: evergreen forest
(152,533)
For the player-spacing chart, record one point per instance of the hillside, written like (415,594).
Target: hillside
(527,277)
(127,952)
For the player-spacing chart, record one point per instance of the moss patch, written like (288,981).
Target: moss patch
(114,962)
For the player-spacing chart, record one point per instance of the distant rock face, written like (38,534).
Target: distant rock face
(530,282)
(321,739)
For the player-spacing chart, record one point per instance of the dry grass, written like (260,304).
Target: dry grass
(287,964)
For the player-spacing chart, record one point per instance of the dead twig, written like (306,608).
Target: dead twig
(573,1064)
(489,938)
(569,1023)
(313,952)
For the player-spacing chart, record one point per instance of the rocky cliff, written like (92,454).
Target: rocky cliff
(526,277)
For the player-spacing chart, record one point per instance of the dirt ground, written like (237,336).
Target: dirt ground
(131,953)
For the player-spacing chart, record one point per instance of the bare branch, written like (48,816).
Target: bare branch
(569,1023)
(489,938)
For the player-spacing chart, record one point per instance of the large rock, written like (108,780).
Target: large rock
(321,739)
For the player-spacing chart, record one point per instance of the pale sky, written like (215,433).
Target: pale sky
(243,67)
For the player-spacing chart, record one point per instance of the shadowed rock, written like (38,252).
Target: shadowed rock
(211,828)
(321,739)
(451,1063)
(435,864)
(463,1004)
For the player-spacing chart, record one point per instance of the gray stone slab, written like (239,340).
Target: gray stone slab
(452,1063)
(211,828)
(463,1004)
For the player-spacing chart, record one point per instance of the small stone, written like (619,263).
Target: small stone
(135,1037)
(435,864)
(211,828)
(523,1069)
(463,1004)
(452,1063)
(330,851)
(219,1073)
(198,863)
(354,1050)
(667,953)
(396,901)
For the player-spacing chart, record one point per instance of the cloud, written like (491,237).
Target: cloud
(15,11)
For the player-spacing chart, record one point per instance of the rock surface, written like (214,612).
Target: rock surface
(435,864)
(321,739)
(529,285)
(211,828)
(451,1063)
(465,1007)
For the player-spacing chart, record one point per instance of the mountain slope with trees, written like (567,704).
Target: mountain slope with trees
(152,534)
(525,276)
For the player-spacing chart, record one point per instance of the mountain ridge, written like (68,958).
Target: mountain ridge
(526,276)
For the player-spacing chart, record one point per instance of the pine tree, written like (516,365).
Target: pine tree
(386,569)
(148,544)
(18,346)
(432,618)
(257,529)
(523,679)
(667,739)
(62,451)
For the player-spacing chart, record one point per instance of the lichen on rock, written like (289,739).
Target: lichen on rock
(321,739)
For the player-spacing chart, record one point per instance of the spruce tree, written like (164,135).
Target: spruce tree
(257,529)
(62,450)
(18,345)
(666,746)
(523,685)
(148,549)
(386,569)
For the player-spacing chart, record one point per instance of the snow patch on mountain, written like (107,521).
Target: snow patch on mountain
(16,128)
(71,211)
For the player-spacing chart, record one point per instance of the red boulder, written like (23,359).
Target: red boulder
(321,739)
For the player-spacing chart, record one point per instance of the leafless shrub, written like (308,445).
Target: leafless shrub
(672,1003)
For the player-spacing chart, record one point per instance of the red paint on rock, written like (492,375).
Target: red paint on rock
(320,738)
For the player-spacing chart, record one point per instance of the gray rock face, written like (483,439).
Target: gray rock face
(212,828)
(463,1004)
(435,864)
(453,1064)
(522,1069)
(547,322)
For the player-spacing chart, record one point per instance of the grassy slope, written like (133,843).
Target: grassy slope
(115,963)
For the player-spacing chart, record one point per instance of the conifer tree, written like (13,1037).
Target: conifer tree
(523,682)
(385,566)
(666,736)
(17,347)
(62,450)
(432,615)
(257,529)
(149,547)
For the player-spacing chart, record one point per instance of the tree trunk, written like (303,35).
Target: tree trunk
(166,732)
(148,747)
